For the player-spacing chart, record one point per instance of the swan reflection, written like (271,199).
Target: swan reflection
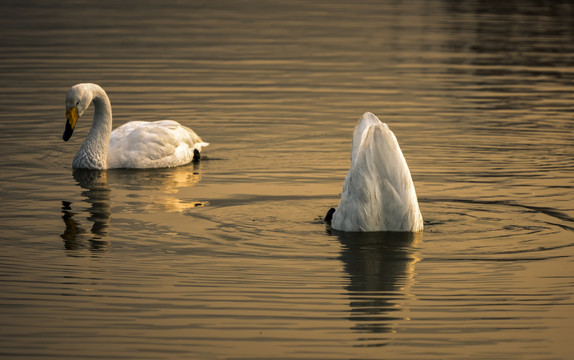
(153,190)
(97,194)
(142,191)
(381,271)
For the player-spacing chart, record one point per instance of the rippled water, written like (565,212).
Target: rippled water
(229,258)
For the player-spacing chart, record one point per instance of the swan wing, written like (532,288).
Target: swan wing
(142,144)
(378,193)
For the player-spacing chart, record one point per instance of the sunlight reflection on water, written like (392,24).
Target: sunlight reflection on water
(229,257)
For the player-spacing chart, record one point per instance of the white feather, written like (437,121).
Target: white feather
(378,193)
(137,144)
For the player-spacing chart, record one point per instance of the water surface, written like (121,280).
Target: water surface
(229,258)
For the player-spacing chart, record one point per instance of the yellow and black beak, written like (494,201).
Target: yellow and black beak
(71,118)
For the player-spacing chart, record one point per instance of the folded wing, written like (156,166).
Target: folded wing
(378,193)
(142,144)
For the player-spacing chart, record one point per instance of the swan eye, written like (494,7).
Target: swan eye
(77,102)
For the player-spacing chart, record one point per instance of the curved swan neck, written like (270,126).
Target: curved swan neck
(94,150)
(102,107)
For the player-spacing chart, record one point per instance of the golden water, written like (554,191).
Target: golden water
(229,258)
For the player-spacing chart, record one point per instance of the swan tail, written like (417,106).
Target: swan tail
(378,193)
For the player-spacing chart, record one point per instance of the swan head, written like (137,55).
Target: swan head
(78,100)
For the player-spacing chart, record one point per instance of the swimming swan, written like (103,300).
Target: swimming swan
(378,193)
(137,144)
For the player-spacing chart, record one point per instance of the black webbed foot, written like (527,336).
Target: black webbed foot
(329,215)
(196,155)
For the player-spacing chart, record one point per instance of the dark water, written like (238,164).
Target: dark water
(228,259)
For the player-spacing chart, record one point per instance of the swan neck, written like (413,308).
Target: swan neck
(94,151)
(102,122)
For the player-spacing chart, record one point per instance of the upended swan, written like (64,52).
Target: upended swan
(378,193)
(136,144)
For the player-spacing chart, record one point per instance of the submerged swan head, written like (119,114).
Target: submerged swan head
(78,99)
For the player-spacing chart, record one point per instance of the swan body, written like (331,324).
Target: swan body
(137,144)
(378,193)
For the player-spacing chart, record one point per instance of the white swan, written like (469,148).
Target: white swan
(137,144)
(378,193)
